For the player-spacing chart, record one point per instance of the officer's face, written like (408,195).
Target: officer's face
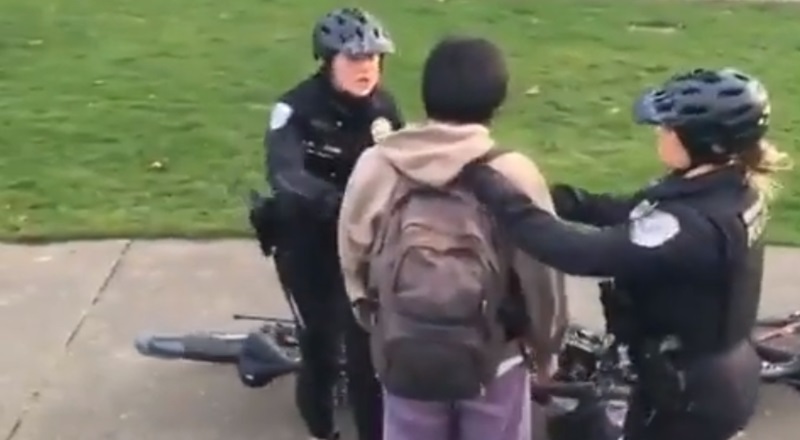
(357,76)
(670,149)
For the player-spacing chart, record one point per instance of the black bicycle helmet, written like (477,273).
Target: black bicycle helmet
(715,113)
(351,31)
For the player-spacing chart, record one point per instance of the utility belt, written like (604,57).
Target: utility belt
(661,378)
(274,218)
(659,360)
(661,381)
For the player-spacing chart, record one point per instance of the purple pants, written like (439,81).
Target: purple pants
(504,413)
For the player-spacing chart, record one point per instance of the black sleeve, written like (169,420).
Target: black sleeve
(285,159)
(662,241)
(596,209)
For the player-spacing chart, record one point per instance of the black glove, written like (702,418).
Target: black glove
(566,199)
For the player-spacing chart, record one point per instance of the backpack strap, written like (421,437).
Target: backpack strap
(401,187)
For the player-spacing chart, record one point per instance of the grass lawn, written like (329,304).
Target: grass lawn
(145,117)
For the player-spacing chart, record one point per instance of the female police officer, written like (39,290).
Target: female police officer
(316,133)
(685,253)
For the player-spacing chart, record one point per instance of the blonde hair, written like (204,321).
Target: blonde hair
(761,164)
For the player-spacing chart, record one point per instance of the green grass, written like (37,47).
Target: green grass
(95,93)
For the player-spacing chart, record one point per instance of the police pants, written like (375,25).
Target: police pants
(722,391)
(308,267)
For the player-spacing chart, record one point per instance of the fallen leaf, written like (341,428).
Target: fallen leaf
(158,165)
(532,91)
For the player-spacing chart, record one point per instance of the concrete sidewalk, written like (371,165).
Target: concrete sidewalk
(70,311)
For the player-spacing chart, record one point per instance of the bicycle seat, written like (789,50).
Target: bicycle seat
(262,360)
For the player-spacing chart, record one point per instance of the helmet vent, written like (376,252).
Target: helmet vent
(694,110)
(731,91)
(740,110)
(688,91)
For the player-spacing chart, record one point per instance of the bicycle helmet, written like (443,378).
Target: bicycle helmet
(715,113)
(351,31)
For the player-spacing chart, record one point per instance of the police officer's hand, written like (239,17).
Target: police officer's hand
(566,199)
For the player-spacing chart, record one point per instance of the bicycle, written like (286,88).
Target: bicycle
(587,384)
(580,364)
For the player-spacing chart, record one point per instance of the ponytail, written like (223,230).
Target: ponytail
(762,164)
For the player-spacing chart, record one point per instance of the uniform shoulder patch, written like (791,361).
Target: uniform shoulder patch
(280,115)
(755,219)
(654,228)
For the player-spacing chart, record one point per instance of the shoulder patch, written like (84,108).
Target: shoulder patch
(653,229)
(280,115)
(755,219)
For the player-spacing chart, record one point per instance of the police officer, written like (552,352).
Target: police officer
(685,253)
(316,133)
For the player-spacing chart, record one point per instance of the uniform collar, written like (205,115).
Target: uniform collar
(675,185)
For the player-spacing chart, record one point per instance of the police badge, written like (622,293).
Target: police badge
(381,127)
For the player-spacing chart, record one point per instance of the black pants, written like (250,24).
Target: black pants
(308,266)
(723,389)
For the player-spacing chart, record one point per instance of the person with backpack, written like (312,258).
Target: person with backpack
(454,311)
(317,130)
(686,253)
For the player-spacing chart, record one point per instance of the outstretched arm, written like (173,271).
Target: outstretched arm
(655,240)
(596,209)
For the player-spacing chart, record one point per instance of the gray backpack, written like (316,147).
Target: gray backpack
(438,274)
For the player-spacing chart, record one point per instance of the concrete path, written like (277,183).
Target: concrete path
(69,312)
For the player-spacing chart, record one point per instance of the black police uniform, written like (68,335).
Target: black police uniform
(315,137)
(688,254)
